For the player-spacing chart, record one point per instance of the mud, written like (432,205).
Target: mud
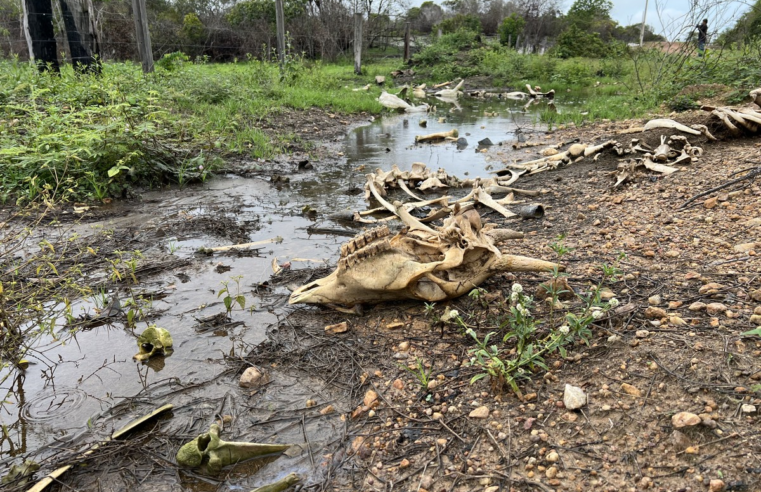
(77,394)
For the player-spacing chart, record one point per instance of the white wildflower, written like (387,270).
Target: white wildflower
(517,288)
(200,168)
(564,329)
(613,302)
(514,296)
(522,309)
(597,314)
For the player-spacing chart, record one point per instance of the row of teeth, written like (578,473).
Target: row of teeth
(364,253)
(363,240)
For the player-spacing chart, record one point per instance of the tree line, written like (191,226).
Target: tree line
(223,30)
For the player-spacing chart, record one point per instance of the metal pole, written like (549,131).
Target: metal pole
(642,30)
(358,44)
(406,42)
(280,24)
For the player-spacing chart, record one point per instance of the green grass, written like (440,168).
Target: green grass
(84,138)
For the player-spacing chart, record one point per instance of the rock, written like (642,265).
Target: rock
(486,142)
(753,222)
(715,308)
(342,327)
(697,306)
(654,300)
(757,310)
(380,79)
(551,472)
(745,247)
(710,203)
(574,397)
(493,488)
(311,403)
(756,295)
(549,151)
(677,321)
(437,416)
(691,275)
(479,413)
(404,464)
(432,384)
(710,288)
(680,440)
(327,410)
(252,377)
(462,142)
(404,346)
(631,390)
(716,485)
(756,319)
(394,326)
(370,398)
(675,304)
(642,334)
(552,456)
(684,419)
(655,313)
(748,408)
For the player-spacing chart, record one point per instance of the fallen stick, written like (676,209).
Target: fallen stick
(751,175)
(277,240)
(53,476)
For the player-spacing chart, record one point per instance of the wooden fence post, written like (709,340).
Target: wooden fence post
(406,42)
(280,24)
(143,35)
(358,44)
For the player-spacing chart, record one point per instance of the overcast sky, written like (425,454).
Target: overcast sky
(673,17)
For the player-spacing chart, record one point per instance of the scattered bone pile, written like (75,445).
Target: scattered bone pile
(739,121)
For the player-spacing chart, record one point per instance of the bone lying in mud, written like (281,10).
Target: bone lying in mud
(209,448)
(153,341)
(282,484)
(666,123)
(451,93)
(433,137)
(415,264)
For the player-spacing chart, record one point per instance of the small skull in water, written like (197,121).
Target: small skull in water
(210,449)
(153,341)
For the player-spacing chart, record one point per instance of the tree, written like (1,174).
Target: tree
(589,14)
(746,29)
(423,18)
(577,42)
(467,22)
(511,27)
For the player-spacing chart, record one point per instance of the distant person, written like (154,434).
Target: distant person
(702,36)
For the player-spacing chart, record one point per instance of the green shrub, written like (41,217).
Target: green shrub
(512,26)
(682,103)
(460,22)
(574,42)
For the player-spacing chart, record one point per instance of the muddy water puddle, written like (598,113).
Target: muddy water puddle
(87,388)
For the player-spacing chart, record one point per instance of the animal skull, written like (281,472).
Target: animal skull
(418,263)
(208,447)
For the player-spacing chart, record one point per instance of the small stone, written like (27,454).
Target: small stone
(551,472)
(655,313)
(697,306)
(692,450)
(311,403)
(370,398)
(715,308)
(433,384)
(756,295)
(342,327)
(710,288)
(552,456)
(677,321)
(756,319)
(252,377)
(327,410)
(574,397)
(716,485)
(745,247)
(757,310)
(675,304)
(642,333)
(711,202)
(631,390)
(437,416)
(405,463)
(398,384)
(684,419)
(394,326)
(493,488)
(746,408)
(654,300)
(479,413)
(404,346)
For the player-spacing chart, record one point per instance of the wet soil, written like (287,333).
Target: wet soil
(416,437)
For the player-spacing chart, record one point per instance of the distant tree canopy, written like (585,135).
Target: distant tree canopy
(747,29)
(512,27)
(469,22)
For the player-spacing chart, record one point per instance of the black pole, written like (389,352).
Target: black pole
(81,59)
(40,17)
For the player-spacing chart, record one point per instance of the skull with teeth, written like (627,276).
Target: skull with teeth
(418,263)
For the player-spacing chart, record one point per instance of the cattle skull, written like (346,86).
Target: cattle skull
(418,263)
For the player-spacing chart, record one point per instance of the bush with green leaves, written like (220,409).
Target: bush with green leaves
(460,22)
(512,26)
(575,42)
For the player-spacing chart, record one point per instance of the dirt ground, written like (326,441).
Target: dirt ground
(690,281)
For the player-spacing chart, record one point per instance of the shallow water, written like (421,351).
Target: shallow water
(71,387)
